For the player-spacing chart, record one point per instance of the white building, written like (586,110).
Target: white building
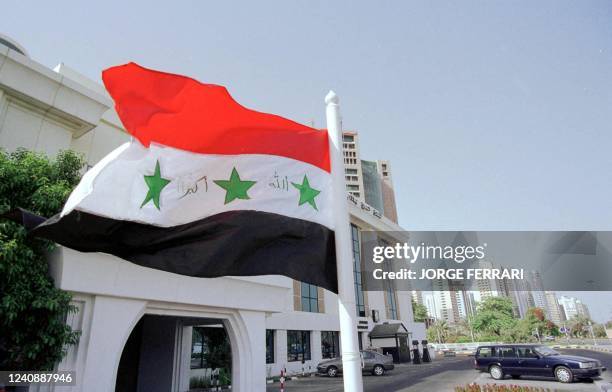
(352,164)
(573,307)
(137,323)
(568,304)
(537,290)
(553,310)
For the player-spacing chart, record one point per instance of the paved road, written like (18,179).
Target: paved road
(581,386)
(403,378)
(443,375)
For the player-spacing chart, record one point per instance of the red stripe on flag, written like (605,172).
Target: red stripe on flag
(183,113)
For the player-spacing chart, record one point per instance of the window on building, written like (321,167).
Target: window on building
(391,303)
(350,171)
(298,346)
(348,138)
(389,288)
(310,298)
(269,346)
(330,344)
(357,271)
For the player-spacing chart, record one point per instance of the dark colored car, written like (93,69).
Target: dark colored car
(534,360)
(371,362)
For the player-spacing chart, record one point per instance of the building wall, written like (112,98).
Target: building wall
(569,306)
(553,311)
(352,164)
(327,317)
(372,185)
(388,191)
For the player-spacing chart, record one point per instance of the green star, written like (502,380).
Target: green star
(307,194)
(155,183)
(235,188)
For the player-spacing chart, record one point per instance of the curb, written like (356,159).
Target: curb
(602,348)
(603,386)
(292,378)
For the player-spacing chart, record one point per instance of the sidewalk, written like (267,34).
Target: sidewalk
(445,381)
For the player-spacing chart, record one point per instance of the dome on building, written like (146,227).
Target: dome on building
(12,44)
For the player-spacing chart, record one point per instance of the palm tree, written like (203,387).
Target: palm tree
(440,330)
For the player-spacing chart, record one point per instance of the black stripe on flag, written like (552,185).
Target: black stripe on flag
(238,243)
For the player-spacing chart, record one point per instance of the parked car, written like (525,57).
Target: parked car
(534,360)
(371,362)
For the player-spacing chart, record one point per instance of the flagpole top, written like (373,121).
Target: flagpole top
(331,97)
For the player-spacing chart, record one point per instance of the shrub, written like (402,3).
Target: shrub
(33,332)
(498,388)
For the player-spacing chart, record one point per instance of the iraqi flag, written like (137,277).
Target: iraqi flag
(206,187)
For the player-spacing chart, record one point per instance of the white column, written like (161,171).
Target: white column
(112,322)
(315,350)
(351,361)
(280,345)
(184,367)
(249,352)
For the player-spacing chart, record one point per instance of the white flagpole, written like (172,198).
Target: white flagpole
(351,360)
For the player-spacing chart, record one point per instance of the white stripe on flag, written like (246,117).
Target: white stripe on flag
(115,187)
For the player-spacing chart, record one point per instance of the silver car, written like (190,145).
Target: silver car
(371,362)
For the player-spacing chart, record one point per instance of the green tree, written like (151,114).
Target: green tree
(579,326)
(419,311)
(536,322)
(438,332)
(466,330)
(599,330)
(494,317)
(33,333)
(552,328)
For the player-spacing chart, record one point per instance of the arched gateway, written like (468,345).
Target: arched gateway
(113,295)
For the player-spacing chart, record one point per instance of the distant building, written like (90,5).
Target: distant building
(369,181)
(388,192)
(537,290)
(573,307)
(552,310)
(488,287)
(582,309)
(372,185)
(352,164)
(447,302)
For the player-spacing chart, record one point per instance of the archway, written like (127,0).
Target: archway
(175,353)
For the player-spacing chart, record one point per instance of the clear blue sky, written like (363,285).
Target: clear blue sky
(494,115)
